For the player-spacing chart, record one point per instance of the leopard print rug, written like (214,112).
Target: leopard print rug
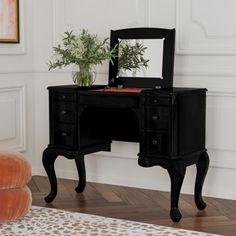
(43,221)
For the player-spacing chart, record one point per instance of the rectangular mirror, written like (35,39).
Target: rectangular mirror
(140,57)
(151,67)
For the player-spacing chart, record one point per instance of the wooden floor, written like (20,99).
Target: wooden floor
(138,204)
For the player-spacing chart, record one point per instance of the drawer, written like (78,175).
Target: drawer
(158,100)
(100,99)
(63,96)
(65,112)
(157,117)
(64,135)
(154,143)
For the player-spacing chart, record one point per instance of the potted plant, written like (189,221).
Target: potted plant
(84,50)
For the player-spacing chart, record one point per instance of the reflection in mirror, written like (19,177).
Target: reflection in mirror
(140,58)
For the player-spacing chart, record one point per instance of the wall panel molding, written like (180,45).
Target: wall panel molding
(216,72)
(224,164)
(17,71)
(178,72)
(202,30)
(68,15)
(222,93)
(13,117)
(222,158)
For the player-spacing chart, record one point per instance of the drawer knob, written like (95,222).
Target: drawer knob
(155,100)
(64,112)
(155,141)
(64,97)
(156,117)
(64,134)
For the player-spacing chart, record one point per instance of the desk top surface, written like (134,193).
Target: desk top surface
(103,89)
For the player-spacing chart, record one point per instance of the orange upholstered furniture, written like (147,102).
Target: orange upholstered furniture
(15,196)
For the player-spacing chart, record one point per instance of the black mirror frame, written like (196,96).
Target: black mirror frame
(168,58)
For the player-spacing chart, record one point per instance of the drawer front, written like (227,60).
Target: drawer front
(157,117)
(64,135)
(63,96)
(65,112)
(112,101)
(154,143)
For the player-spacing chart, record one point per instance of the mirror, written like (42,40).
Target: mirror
(140,57)
(156,47)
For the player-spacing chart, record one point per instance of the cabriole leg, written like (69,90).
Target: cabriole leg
(79,160)
(48,163)
(177,177)
(202,167)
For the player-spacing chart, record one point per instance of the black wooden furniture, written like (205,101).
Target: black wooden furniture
(168,123)
(168,57)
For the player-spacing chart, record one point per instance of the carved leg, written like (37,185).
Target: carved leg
(177,177)
(202,168)
(79,160)
(48,163)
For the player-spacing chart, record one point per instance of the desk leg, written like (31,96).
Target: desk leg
(79,160)
(202,167)
(48,163)
(177,177)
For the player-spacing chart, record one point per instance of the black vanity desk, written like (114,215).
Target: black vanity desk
(169,125)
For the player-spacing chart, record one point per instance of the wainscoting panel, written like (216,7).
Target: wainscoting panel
(12,118)
(221,125)
(206,27)
(74,15)
(156,18)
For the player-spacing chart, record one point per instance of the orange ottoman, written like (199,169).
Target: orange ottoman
(15,196)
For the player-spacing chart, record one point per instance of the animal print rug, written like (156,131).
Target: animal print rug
(43,221)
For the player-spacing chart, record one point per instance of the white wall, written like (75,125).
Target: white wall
(205,57)
(17,88)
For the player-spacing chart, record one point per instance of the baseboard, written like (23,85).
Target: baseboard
(161,184)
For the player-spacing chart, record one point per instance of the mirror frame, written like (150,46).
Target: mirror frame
(168,58)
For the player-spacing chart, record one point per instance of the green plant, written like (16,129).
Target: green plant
(131,56)
(85,50)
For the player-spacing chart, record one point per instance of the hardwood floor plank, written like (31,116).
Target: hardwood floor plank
(107,193)
(42,183)
(141,205)
(33,186)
